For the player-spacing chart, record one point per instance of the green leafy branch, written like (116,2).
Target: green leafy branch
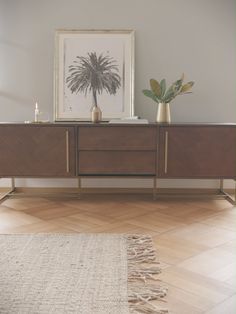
(160,94)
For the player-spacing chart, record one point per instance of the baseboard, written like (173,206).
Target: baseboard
(186,191)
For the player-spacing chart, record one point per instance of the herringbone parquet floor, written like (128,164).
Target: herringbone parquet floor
(195,239)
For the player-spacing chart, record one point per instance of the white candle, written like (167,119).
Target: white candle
(36,113)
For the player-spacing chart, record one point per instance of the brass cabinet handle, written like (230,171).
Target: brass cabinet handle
(67,152)
(166,152)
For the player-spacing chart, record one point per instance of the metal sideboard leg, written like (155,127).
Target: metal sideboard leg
(8,193)
(154,188)
(228,197)
(79,187)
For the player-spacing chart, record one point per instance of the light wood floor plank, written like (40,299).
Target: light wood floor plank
(228,306)
(195,238)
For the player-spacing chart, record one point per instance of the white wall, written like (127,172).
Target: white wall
(172,36)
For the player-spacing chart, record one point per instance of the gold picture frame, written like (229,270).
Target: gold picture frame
(72,97)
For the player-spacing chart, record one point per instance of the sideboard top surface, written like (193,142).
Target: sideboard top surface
(106,124)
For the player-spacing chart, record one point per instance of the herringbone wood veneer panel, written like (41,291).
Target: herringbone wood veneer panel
(38,152)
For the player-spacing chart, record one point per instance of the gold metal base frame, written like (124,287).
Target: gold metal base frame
(131,177)
(219,195)
(228,197)
(10,192)
(13,192)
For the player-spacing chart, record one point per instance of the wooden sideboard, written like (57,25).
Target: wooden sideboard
(86,149)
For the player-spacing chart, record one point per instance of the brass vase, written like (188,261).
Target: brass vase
(96,114)
(163,113)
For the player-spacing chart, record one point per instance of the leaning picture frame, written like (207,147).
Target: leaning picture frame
(93,67)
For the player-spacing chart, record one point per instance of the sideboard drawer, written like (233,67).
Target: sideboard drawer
(116,163)
(117,138)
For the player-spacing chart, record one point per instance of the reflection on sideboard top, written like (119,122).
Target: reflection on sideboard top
(106,123)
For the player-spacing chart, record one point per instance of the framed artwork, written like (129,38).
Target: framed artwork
(93,67)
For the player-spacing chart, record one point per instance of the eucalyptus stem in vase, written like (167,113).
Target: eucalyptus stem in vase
(163,96)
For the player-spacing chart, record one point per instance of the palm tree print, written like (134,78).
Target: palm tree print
(94,74)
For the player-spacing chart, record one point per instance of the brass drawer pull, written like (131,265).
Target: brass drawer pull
(67,152)
(166,152)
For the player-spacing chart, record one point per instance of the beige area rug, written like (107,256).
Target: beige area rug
(78,273)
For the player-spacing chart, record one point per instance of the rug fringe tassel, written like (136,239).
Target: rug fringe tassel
(146,309)
(143,273)
(141,293)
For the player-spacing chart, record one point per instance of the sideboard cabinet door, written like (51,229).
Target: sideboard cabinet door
(197,152)
(37,151)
